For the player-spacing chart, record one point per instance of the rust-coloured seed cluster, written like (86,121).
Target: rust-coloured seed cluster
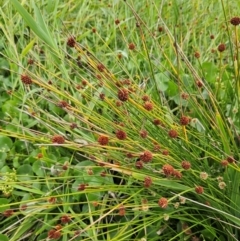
(211,36)
(30,61)
(224,163)
(103,140)
(173,133)
(102,96)
(199,190)
(54,234)
(143,133)
(126,81)
(118,103)
(139,164)
(230,159)
(221,47)
(156,147)
(197,55)
(147,182)
(184,120)
(184,96)
(63,104)
(123,94)
(23,207)
(8,213)
(73,126)
(163,202)
(65,219)
(160,29)
(103,174)
(52,200)
(121,135)
(71,42)
(82,186)
(199,83)
(145,98)
(186,165)
(121,211)
(119,55)
(168,169)
(157,122)
(165,152)
(148,105)
(235,21)
(117,21)
(146,156)
(177,174)
(129,155)
(101,67)
(131,46)
(26,79)
(39,155)
(58,139)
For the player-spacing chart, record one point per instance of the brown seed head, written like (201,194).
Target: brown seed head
(101,67)
(65,219)
(224,163)
(58,139)
(167,169)
(82,187)
(160,29)
(177,174)
(71,42)
(230,159)
(199,190)
(157,122)
(199,83)
(143,133)
(173,134)
(54,234)
(186,165)
(235,21)
(30,61)
(148,105)
(73,126)
(121,135)
(8,213)
(117,21)
(165,152)
(103,140)
(131,46)
(184,96)
(146,156)
(197,55)
(26,79)
(102,96)
(184,120)
(62,104)
(39,155)
(221,47)
(121,211)
(145,98)
(163,202)
(123,94)
(52,200)
(147,182)
(139,164)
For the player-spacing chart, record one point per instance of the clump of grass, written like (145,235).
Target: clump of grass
(123,145)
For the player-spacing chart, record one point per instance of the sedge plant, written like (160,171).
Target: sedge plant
(127,131)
